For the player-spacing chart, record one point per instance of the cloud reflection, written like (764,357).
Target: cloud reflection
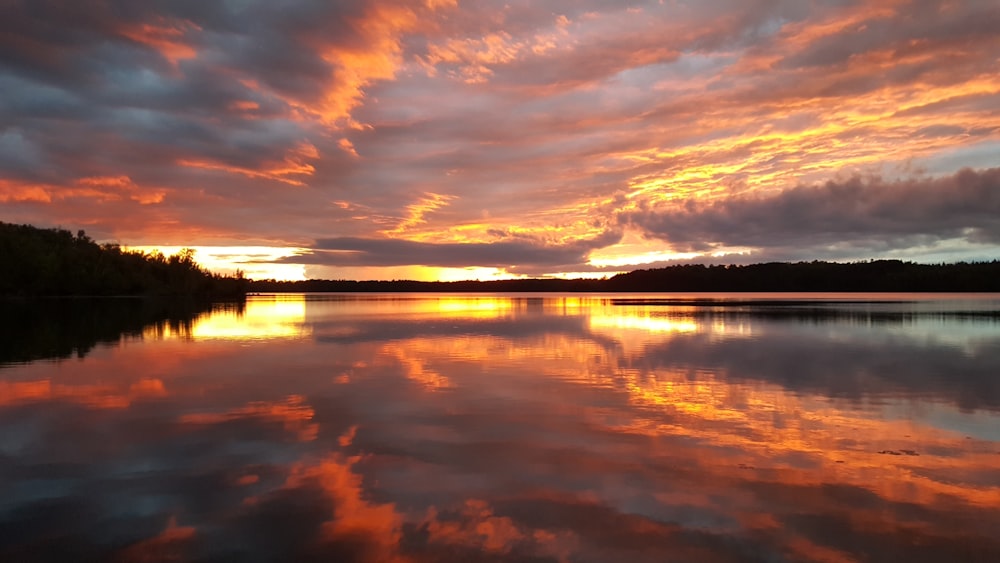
(417,428)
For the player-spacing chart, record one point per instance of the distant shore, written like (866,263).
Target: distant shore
(56,262)
(857,277)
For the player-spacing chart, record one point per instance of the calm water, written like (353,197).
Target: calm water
(503,428)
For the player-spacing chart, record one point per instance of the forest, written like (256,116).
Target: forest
(55,262)
(816,276)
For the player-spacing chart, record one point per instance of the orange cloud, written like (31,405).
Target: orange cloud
(417,213)
(477,527)
(113,187)
(98,188)
(168,545)
(355,517)
(474,55)
(13,191)
(377,55)
(293,413)
(347,147)
(286,171)
(473,58)
(244,105)
(165,36)
(95,396)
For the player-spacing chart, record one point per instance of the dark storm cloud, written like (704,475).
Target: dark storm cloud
(860,212)
(211,107)
(187,79)
(77,41)
(928,25)
(117,74)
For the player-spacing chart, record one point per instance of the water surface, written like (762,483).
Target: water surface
(507,428)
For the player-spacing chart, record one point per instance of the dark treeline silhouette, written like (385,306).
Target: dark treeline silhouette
(873,276)
(36,329)
(55,262)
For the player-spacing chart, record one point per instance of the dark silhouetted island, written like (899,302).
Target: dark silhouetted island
(55,262)
(870,276)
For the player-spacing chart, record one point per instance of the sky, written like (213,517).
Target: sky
(448,139)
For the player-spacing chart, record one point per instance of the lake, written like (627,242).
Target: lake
(428,427)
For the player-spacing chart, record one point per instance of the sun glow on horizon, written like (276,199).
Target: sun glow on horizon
(410,273)
(256,262)
(259,263)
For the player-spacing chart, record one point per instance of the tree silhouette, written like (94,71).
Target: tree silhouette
(817,276)
(37,261)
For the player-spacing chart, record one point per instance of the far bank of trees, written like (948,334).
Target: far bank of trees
(817,276)
(56,262)
(869,276)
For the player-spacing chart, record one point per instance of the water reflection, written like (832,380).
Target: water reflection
(274,316)
(437,428)
(36,329)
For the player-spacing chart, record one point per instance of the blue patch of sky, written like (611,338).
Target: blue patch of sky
(978,155)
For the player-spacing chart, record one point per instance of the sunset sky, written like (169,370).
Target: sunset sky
(437,139)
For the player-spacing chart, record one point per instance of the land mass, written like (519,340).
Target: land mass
(55,262)
(869,276)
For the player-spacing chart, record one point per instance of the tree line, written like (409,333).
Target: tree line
(38,262)
(816,276)
(55,262)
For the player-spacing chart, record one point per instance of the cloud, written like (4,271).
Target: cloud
(221,103)
(260,123)
(510,254)
(863,214)
(778,460)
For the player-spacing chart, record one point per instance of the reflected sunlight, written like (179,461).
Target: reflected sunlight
(796,438)
(263,318)
(418,427)
(476,307)
(641,320)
